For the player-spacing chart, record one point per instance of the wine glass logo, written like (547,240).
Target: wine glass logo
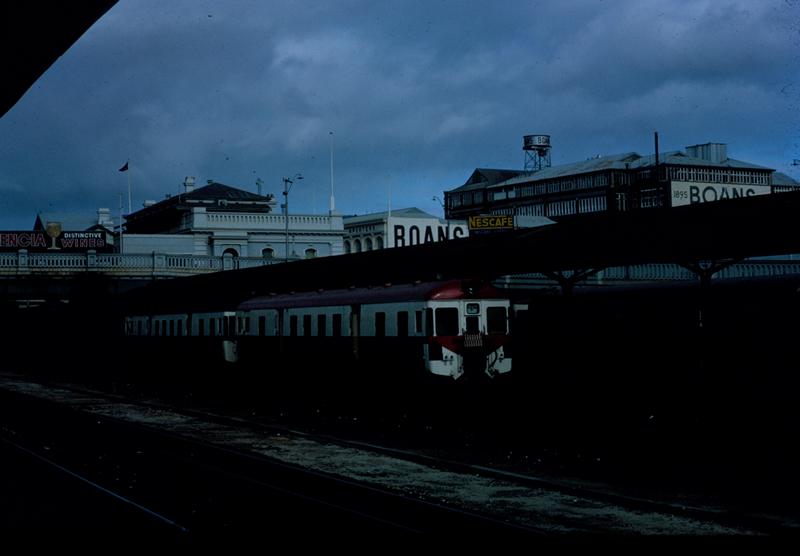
(53,229)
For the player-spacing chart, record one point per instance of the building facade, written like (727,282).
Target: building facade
(221,220)
(703,173)
(398,228)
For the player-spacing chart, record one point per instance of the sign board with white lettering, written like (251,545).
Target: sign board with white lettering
(691,193)
(60,242)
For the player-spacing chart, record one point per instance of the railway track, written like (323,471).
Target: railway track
(207,489)
(245,467)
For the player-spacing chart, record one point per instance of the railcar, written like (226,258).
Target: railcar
(448,329)
(451,328)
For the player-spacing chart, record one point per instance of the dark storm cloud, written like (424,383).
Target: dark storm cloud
(418,94)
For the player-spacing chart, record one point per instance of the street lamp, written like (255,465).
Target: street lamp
(287,186)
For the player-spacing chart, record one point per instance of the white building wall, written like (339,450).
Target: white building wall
(249,234)
(402,232)
(399,231)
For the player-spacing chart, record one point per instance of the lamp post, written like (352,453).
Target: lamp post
(287,186)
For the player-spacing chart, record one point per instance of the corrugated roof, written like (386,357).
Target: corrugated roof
(614,161)
(74,221)
(623,161)
(212,192)
(484,177)
(779,178)
(411,212)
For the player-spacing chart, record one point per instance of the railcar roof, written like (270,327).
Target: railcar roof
(449,289)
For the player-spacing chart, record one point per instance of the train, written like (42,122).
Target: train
(454,329)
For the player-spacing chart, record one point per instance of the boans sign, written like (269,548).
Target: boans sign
(689,193)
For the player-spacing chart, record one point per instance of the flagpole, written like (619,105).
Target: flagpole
(120,224)
(333,206)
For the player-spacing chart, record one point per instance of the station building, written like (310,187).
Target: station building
(702,173)
(219,220)
(398,228)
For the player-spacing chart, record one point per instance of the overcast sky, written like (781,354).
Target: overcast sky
(418,94)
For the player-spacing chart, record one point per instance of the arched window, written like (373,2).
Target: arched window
(311,253)
(379,242)
(357,246)
(268,253)
(368,244)
(346,246)
(230,252)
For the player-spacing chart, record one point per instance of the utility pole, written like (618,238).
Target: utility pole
(287,186)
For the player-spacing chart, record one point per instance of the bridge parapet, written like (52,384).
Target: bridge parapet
(658,272)
(156,265)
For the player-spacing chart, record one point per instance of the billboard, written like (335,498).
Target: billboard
(493,223)
(691,193)
(60,242)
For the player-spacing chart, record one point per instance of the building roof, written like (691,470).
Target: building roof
(624,161)
(216,195)
(75,221)
(779,178)
(484,177)
(411,212)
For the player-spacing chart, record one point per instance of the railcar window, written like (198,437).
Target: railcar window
(293,325)
(306,325)
(336,325)
(180,328)
(172,328)
(447,321)
(418,322)
(429,322)
(188,326)
(262,325)
(473,325)
(139,327)
(380,324)
(158,328)
(321,325)
(496,321)
(402,324)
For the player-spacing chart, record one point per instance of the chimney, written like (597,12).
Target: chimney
(104,217)
(188,184)
(712,152)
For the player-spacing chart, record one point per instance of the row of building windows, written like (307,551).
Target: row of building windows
(617,178)
(557,208)
(718,175)
(571,183)
(367,244)
(269,253)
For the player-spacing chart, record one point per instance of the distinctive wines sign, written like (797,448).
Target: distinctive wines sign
(42,241)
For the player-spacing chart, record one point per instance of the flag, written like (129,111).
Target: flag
(124,168)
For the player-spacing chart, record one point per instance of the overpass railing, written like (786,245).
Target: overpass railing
(660,272)
(154,265)
(158,265)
